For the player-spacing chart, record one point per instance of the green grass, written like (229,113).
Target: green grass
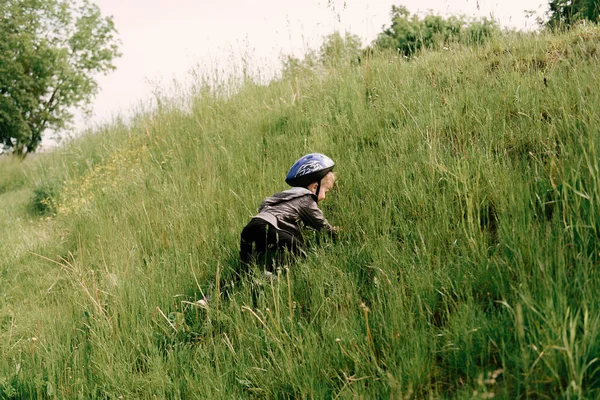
(468,197)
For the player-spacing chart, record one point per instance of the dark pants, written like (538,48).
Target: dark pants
(262,243)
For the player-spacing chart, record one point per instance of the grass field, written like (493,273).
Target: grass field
(468,196)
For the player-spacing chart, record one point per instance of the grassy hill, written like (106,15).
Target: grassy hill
(468,198)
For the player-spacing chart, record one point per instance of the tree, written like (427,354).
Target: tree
(564,13)
(50,54)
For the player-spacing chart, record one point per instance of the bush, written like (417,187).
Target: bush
(45,198)
(409,34)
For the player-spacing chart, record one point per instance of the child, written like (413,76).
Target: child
(277,226)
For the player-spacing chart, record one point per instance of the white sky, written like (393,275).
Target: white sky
(163,40)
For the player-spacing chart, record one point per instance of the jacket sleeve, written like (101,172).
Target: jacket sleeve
(313,217)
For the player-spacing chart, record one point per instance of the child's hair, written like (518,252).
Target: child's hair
(329,178)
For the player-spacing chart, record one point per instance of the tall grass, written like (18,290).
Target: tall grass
(468,199)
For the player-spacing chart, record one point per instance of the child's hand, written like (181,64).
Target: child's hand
(336,231)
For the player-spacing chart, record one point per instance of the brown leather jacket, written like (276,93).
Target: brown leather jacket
(290,209)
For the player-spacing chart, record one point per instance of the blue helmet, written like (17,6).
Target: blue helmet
(308,169)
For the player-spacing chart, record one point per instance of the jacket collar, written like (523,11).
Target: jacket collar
(300,191)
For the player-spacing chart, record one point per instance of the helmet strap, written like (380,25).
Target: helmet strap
(318,189)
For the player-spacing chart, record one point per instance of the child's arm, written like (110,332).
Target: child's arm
(313,217)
